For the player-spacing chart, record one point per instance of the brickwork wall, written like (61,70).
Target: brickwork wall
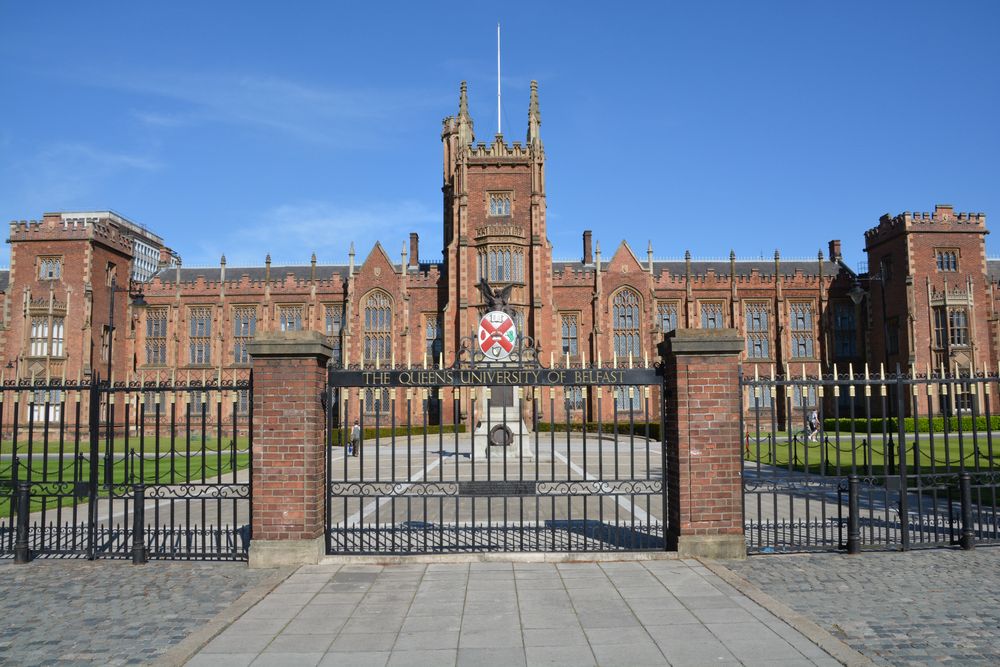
(704,462)
(289,460)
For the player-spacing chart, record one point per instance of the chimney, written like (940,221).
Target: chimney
(835,250)
(414,249)
(588,252)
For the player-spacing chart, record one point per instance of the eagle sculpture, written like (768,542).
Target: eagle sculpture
(496,299)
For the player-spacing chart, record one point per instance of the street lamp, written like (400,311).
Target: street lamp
(138,301)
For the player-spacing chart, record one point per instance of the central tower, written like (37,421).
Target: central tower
(494,226)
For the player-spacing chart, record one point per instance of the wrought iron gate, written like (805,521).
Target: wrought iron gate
(150,468)
(868,460)
(574,461)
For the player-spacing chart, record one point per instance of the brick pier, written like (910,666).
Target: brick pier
(289,461)
(702,403)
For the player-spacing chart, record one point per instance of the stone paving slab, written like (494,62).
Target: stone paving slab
(913,608)
(670,612)
(77,612)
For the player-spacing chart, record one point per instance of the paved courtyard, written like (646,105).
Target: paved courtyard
(627,613)
(77,612)
(919,607)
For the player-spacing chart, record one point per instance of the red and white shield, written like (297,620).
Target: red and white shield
(497,335)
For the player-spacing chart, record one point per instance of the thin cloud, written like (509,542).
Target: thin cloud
(292,232)
(310,113)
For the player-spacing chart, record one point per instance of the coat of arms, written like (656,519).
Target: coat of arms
(497,335)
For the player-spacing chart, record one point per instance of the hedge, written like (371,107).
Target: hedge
(644,429)
(369,433)
(923,424)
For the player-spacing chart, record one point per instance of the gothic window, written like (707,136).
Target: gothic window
(377,401)
(334,323)
(519,322)
(378,328)
(57,336)
(156,336)
(569,334)
(39,336)
(845,333)
(892,330)
(49,268)
(432,337)
(201,336)
(947,260)
(574,398)
(502,264)
(244,328)
(885,268)
(290,318)
(757,330)
(111,274)
(628,399)
(802,330)
(243,401)
(712,315)
(958,327)
(666,316)
(499,203)
(625,323)
(804,397)
(940,328)
(105,342)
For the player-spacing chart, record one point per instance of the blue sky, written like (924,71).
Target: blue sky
(255,127)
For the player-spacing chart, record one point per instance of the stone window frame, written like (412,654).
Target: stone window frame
(376,326)
(574,396)
(505,199)
(663,307)
(433,346)
(157,318)
(626,323)
(200,335)
(573,336)
(501,263)
(295,311)
(758,337)
(333,326)
(946,260)
(50,267)
(39,338)
(244,317)
(705,306)
(802,334)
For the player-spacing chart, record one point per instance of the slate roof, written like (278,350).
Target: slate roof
(721,267)
(256,273)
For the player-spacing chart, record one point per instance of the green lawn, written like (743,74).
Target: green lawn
(146,443)
(176,470)
(822,457)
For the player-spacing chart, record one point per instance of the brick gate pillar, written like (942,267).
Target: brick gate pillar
(289,462)
(702,411)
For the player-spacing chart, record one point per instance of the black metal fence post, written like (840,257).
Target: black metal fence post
(21,551)
(138,524)
(853,516)
(95,436)
(904,509)
(968,539)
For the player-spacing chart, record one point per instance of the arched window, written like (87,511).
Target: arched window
(625,323)
(378,328)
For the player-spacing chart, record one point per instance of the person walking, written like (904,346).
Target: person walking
(813,425)
(355,438)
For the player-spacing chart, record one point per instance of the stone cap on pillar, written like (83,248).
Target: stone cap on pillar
(701,341)
(290,344)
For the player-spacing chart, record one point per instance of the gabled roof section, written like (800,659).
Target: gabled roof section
(378,256)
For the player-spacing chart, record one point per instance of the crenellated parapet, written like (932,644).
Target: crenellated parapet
(942,219)
(55,228)
(498,149)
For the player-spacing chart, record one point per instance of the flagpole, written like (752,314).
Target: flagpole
(498,78)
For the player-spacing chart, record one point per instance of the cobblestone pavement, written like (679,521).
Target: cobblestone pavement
(919,607)
(671,612)
(77,612)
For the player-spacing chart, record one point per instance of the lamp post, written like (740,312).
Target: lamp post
(857,294)
(138,301)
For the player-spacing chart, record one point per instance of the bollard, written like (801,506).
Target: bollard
(967,540)
(21,552)
(138,523)
(853,516)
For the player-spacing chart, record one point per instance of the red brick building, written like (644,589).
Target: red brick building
(386,308)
